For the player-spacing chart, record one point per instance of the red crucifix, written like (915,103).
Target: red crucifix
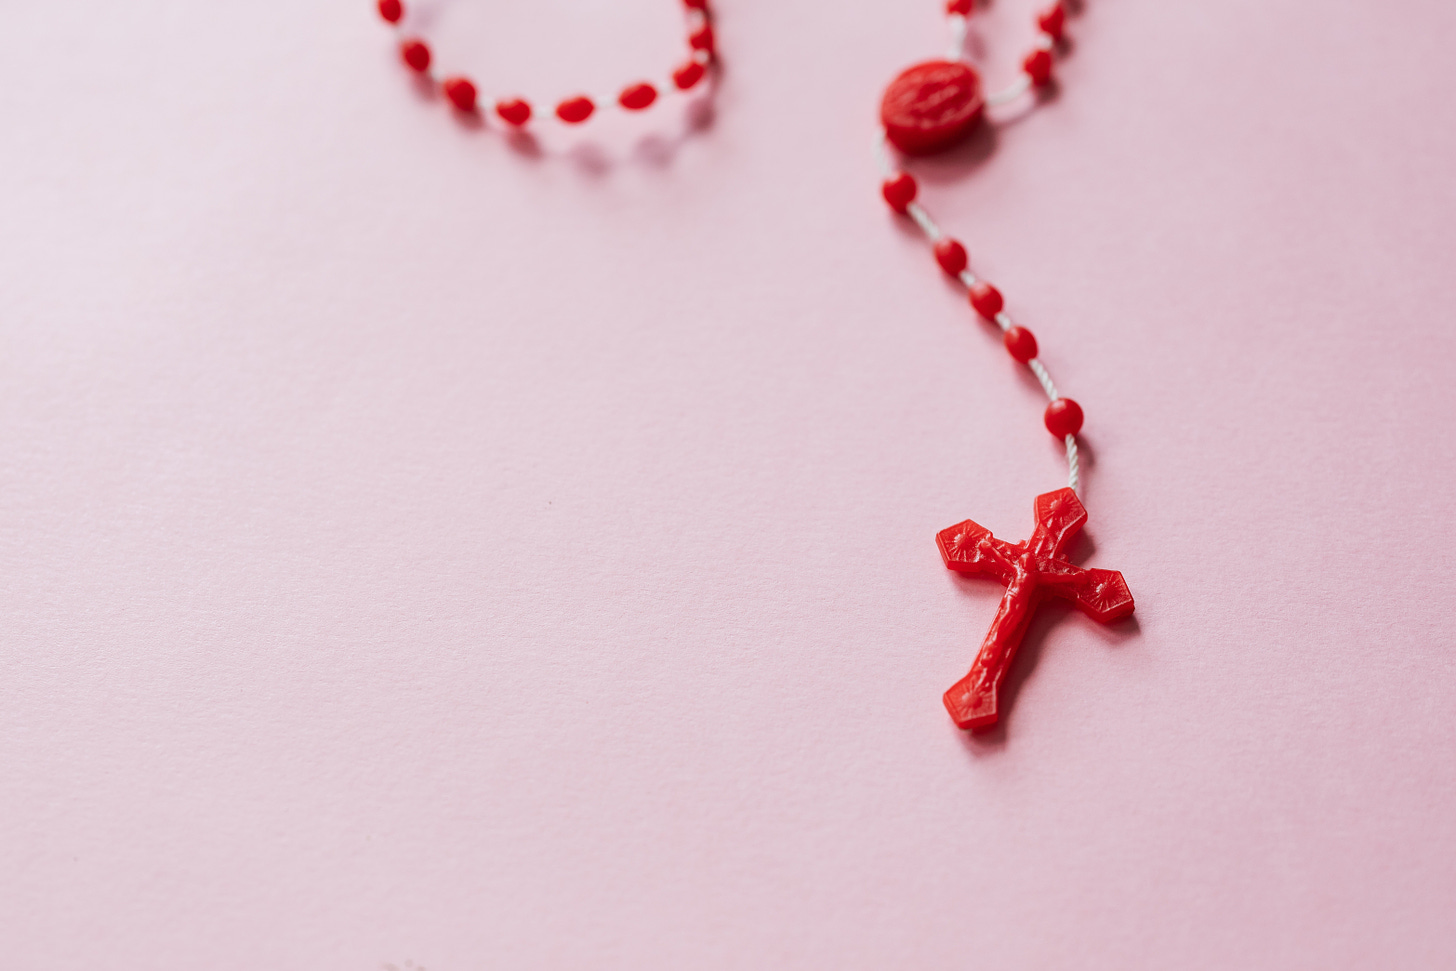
(1031,571)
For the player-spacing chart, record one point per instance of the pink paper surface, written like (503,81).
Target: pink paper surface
(421,552)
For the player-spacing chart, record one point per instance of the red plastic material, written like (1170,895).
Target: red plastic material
(637,96)
(1032,571)
(696,4)
(951,255)
(899,191)
(702,39)
(514,111)
(688,75)
(931,106)
(391,10)
(1064,417)
(1052,21)
(461,93)
(1038,67)
(1020,343)
(987,300)
(962,7)
(576,110)
(416,54)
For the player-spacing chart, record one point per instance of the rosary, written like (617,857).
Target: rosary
(926,109)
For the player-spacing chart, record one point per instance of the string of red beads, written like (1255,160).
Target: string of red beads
(1063,416)
(1052,22)
(463,94)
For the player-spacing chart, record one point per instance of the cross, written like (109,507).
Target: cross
(1031,571)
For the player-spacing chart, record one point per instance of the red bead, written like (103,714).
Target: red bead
(514,111)
(951,256)
(696,4)
(1052,20)
(702,39)
(576,110)
(931,106)
(391,10)
(461,93)
(1038,67)
(637,97)
(688,75)
(962,7)
(899,191)
(416,54)
(987,300)
(1064,417)
(1020,343)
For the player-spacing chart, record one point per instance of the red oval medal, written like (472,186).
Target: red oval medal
(932,106)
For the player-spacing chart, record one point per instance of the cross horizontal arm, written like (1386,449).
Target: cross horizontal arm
(1100,594)
(970,548)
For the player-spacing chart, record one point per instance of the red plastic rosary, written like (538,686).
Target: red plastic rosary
(926,109)
(573,110)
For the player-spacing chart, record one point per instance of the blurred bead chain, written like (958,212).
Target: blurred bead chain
(517,111)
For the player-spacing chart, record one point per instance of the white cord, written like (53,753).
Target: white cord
(1009,93)
(922,219)
(882,155)
(1046,379)
(1072,480)
(958,27)
(958,30)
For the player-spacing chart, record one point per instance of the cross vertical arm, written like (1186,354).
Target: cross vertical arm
(1060,515)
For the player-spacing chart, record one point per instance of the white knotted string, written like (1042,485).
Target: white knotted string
(959,30)
(918,213)
(1009,93)
(958,27)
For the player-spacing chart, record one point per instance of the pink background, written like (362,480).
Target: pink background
(418,550)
